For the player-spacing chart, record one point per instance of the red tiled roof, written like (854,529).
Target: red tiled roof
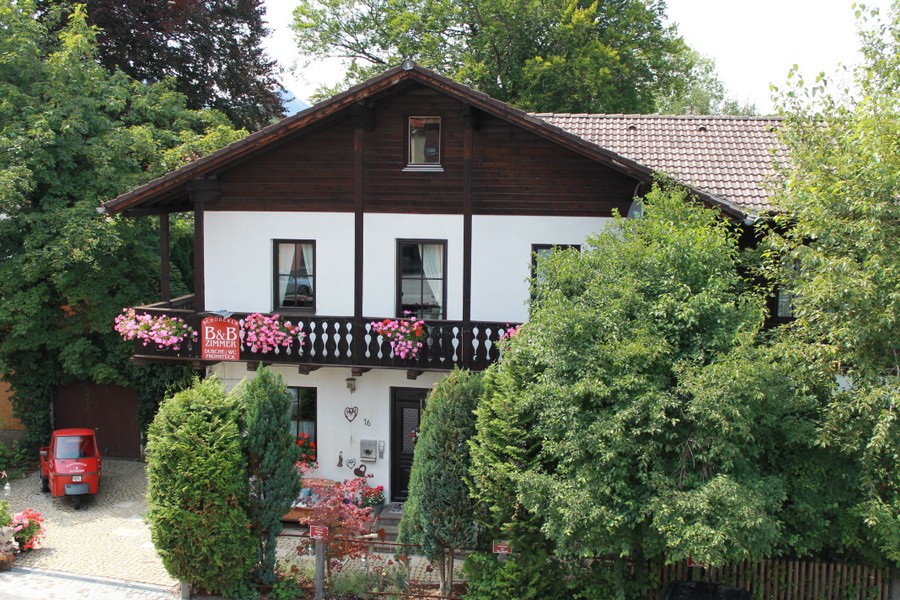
(728,157)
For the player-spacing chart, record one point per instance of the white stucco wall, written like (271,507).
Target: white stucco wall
(335,433)
(380,258)
(239,253)
(501,259)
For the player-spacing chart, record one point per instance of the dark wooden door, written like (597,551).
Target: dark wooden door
(406,413)
(110,410)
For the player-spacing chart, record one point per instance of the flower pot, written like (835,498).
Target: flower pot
(6,561)
(376,509)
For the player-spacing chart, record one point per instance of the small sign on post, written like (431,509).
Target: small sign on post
(502,547)
(318,532)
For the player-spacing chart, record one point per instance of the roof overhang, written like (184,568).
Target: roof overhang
(170,193)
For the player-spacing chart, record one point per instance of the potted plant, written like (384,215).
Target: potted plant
(372,497)
(28,529)
(264,334)
(406,336)
(164,332)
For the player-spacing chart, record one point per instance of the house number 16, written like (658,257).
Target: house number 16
(367,422)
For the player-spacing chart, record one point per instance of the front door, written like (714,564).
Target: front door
(406,412)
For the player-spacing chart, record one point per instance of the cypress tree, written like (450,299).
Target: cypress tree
(271,457)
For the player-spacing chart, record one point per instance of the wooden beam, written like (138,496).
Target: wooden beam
(413,374)
(307,369)
(201,191)
(358,371)
(164,257)
(468,151)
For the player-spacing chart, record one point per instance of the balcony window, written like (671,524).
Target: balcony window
(421,277)
(303,411)
(424,142)
(295,275)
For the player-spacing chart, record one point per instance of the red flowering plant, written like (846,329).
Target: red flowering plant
(306,450)
(164,332)
(406,336)
(371,496)
(268,334)
(346,520)
(28,527)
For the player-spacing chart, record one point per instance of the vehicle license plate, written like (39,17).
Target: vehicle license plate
(76,478)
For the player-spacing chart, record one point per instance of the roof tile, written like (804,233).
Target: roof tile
(729,157)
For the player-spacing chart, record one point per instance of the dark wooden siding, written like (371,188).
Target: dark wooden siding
(313,173)
(387,187)
(517,172)
(110,410)
(514,171)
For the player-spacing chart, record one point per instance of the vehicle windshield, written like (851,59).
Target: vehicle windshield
(75,446)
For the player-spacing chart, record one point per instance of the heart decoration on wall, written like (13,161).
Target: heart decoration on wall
(360,471)
(351,462)
(350,413)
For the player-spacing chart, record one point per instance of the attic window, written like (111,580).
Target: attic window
(632,128)
(702,128)
(424,144)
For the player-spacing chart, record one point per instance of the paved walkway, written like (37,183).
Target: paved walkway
(23,583)
(107,540)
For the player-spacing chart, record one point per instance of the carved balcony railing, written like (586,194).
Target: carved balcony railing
(345,341)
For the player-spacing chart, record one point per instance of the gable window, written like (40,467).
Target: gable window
(303,411)
(421,277)
(424,142)
(541,251)
(295,274)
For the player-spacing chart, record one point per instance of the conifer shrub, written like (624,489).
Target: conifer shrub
(271,458)
(438,513)
(198,489)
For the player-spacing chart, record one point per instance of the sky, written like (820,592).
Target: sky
(754,42)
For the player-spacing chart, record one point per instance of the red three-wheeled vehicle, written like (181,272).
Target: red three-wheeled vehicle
(71,464)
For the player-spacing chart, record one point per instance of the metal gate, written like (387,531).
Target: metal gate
(110,410)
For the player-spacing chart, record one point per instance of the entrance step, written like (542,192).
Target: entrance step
(389,521)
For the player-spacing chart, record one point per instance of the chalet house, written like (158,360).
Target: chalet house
(410,192)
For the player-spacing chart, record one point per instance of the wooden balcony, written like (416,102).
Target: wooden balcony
(348,342)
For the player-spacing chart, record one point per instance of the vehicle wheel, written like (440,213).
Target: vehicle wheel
(76,501)
(45,485)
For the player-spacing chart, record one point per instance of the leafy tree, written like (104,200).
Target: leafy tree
(271,457)
(213,50)
(197,489)
(654,420)
(704,93)
(71,136)
(562,55)
(841,262)
(438,513)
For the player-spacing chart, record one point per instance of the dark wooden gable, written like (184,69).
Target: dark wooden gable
(514,171)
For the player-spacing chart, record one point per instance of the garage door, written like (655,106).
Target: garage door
(109,410)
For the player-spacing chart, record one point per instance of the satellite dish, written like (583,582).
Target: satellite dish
(636,210)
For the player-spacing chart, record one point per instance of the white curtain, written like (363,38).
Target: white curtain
(433,265)
(308,258)
(285,262)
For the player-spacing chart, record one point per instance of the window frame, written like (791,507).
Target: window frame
(315,420)
(399,273)
(435,167)
(276,306)
(537,247)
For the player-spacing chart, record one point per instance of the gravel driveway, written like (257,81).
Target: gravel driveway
(106,538)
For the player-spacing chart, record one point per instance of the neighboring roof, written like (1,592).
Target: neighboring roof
(579,133)
(730,157)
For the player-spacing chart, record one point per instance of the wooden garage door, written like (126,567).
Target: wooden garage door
(109,410)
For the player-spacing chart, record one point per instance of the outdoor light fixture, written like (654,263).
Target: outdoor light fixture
(351,384)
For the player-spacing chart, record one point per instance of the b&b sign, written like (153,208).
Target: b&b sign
(318,532)
(220,339)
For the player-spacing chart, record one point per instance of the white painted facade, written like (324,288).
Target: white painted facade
(239,270)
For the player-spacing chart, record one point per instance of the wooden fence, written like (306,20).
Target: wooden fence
(785,579)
